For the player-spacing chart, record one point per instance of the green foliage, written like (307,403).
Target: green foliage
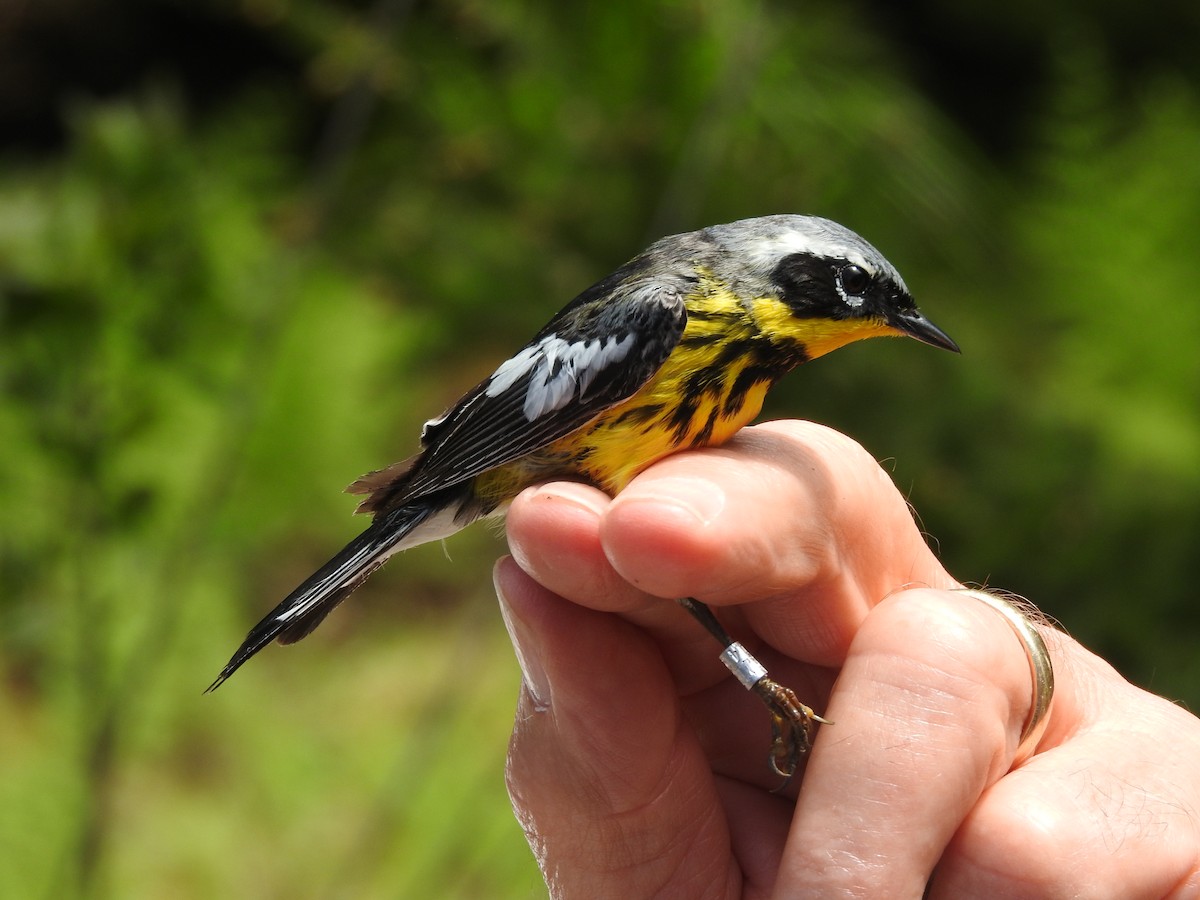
(210,320)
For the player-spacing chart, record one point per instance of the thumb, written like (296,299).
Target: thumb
(609,783)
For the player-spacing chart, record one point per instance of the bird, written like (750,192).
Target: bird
(674,350)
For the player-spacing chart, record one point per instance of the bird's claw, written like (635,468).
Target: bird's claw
(792,726)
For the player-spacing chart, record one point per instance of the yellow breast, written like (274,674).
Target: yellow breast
(703,394)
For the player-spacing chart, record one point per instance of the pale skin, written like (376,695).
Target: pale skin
(638,766)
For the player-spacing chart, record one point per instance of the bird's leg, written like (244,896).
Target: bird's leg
(791,721)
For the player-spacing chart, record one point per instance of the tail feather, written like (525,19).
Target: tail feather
(381,485)
(308,605)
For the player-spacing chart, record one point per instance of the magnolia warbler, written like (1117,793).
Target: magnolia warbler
(674,350)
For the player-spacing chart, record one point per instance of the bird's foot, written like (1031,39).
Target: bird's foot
(792,723)
(792,726)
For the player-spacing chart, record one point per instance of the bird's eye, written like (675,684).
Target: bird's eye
(854,280)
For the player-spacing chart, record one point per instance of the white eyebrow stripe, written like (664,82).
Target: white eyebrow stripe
(816,237)
(558,370)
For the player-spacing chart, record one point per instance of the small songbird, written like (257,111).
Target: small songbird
(674,350)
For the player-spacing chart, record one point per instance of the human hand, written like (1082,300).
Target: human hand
(638,766)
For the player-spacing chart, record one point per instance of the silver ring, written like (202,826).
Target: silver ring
(1040,668)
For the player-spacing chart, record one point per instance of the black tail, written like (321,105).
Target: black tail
(308,605)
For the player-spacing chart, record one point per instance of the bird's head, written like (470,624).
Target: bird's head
(813,281)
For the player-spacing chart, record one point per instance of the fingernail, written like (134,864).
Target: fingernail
(695,498)
(525,646)
(580,496)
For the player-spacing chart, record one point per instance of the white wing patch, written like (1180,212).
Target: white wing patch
(512,369)
(558,370)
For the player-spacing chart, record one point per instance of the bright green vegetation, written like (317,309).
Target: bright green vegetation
(213,315)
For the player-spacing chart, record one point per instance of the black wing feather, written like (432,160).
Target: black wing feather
(482,431)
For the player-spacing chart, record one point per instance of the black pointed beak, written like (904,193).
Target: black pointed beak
(915,325)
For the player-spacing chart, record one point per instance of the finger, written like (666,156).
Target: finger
(928,710)
(554,536)
(1113,808)
(553,533)
(791,515)
(613,792)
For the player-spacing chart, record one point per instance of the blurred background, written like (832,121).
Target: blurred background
(248,246)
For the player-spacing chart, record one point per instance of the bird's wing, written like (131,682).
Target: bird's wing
(594,354)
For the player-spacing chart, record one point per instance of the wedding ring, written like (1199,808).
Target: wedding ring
(1040,668)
